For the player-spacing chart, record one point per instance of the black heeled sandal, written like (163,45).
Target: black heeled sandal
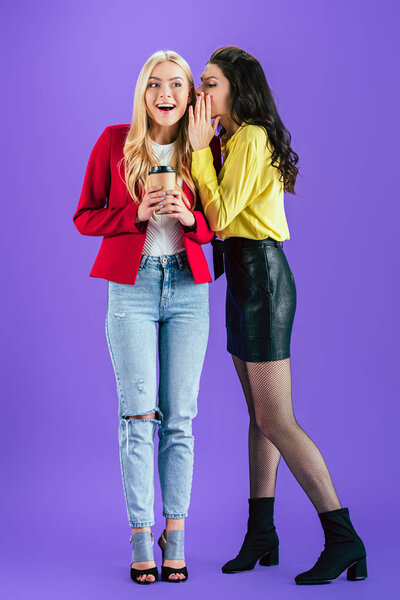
(172,548)
(142,551)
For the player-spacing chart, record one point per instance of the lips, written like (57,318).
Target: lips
(165,107)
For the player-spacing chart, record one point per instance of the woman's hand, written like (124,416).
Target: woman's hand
(151,201)
(177,208)
(201,130)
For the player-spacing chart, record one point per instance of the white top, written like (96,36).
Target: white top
(164,234)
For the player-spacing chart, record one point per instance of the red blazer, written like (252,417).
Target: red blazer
(107,209)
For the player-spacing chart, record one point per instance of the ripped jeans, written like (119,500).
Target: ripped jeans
(165,294)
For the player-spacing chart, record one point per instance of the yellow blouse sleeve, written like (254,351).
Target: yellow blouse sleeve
(223,200)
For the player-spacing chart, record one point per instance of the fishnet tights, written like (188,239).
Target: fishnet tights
(274,431)
(264,457)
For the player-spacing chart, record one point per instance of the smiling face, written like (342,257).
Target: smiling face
(217,86)
(167,94)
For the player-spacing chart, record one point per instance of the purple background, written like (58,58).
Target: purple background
(68,71)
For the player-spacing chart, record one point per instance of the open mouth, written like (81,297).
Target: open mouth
(165,108)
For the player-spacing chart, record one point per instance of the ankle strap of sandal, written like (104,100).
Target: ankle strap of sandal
(142,546)
(175,547)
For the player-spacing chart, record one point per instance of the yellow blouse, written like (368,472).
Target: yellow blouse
(246,198)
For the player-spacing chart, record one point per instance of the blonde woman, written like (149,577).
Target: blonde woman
(157,296)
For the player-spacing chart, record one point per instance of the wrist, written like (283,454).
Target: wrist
(137,218)
(192,224)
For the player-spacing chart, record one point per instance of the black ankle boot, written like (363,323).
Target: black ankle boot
(343,550)
(261,541)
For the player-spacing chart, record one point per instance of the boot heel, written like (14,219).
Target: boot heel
(270,558)
(358,570)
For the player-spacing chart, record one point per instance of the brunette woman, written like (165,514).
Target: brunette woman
(157,281)
(244,206)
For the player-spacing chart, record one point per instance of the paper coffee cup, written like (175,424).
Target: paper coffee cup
(165,176)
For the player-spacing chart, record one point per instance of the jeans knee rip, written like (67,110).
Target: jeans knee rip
(145,416)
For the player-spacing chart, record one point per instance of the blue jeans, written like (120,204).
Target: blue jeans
(164,293)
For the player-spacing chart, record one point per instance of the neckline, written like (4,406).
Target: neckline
(227,140)
(162,145)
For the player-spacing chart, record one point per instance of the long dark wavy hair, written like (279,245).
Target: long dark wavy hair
(253,103)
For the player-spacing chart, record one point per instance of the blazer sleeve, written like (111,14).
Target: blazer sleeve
(200,232)
(93,216)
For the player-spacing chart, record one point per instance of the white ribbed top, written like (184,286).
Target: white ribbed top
(163,235)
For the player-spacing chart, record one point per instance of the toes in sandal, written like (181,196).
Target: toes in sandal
(142,551)
(173,549)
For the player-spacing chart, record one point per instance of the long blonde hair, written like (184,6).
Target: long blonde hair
(138,153)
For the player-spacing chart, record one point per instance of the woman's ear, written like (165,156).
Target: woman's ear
(190,96)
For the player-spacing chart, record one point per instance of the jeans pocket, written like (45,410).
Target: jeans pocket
(142,263)
(185,264)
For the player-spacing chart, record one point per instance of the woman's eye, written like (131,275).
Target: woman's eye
(211,84)
(153,84)
(177,83)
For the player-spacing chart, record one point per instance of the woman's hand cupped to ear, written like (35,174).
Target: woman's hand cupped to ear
(201,130)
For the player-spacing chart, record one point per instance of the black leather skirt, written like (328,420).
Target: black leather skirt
(260,297)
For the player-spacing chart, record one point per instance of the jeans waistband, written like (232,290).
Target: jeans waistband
(179,259)
(233,243)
